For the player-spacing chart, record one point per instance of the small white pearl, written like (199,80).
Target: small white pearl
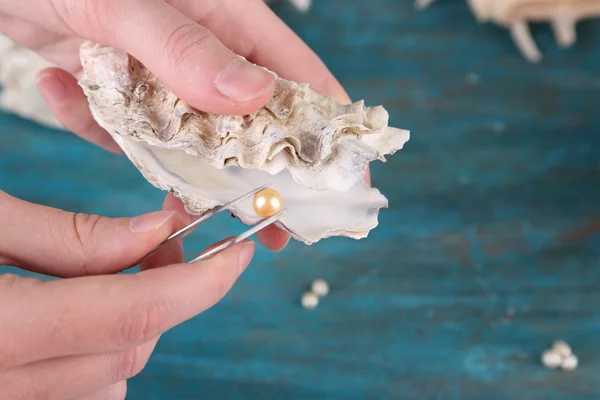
(562,348)
(569,363)
(320,287)
(309,300)
(551,359)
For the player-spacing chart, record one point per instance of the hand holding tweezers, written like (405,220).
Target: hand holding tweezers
(209,214)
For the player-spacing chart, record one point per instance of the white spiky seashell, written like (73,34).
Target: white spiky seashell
(514,15)
(19,67)
(300,5)
(312,150)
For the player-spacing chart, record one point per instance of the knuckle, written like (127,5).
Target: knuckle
(82,237)
(144,322)
(85,227)
(185,41)
(132,362)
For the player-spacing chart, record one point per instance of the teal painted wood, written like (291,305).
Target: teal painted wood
(489,251)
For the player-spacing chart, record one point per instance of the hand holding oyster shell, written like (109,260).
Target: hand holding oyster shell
(196,48)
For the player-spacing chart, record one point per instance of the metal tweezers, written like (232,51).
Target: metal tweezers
(209,214)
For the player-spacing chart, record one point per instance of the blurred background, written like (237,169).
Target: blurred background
(490,249)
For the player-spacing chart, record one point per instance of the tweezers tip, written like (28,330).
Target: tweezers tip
(259,226)
(212,213)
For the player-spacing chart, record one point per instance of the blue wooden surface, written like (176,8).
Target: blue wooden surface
(489,251)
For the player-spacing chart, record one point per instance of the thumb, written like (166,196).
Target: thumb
(65,244)
(184,55)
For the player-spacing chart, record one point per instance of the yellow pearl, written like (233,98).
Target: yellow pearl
(267,203)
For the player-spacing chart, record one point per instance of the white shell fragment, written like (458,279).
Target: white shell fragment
(515,15)
(313,151)
(19,67)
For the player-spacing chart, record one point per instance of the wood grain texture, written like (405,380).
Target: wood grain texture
(490,249)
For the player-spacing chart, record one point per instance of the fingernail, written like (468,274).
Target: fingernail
(52,89)
(242,81)
(148,222)
(246,255)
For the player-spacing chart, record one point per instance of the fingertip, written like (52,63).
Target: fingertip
(174,204)
(52,87)
(191,288)
(244,250)
(55,85)
(172,252)
(152,222)
(149,231)
(236,246)
(242,81)
(192,62)
(241,88)
(273,238)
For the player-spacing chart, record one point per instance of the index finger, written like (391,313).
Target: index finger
(101,314)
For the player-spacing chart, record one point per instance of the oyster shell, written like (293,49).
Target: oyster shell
(19,67)
(312,150)
(515,14)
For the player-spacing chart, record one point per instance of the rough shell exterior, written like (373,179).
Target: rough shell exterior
(312,149)
(515,14)
(324,145)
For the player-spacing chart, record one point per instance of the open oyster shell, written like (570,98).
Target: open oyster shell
(515,14)
(310,149)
